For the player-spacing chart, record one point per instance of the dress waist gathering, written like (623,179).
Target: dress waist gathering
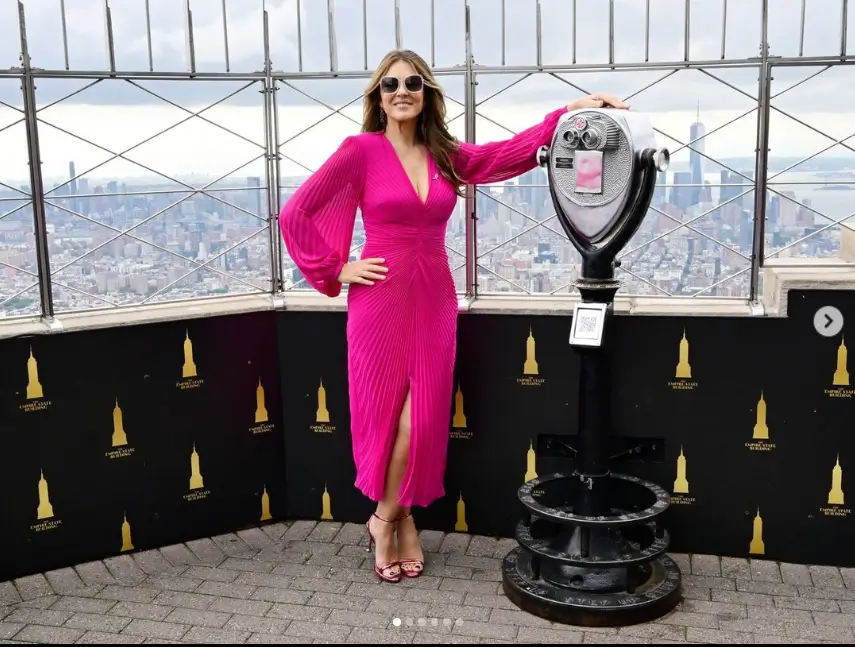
(405,238)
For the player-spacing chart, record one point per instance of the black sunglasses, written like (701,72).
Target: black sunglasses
(390,84)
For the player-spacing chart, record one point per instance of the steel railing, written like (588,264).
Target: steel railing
(270,79)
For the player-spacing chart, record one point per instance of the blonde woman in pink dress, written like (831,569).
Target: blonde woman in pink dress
(405,172)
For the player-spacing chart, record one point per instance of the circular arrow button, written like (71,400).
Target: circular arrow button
(828,321)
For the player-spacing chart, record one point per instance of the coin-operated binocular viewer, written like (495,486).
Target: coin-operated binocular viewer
(592,550)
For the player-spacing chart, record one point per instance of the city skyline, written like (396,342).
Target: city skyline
(171,235)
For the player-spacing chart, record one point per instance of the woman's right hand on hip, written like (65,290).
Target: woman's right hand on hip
(365,271)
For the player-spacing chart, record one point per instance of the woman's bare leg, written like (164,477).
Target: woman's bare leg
(409,546)
(388,508)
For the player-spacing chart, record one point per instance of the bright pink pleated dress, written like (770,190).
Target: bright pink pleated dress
(401,332)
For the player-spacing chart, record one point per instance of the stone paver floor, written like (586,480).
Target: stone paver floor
(312,582)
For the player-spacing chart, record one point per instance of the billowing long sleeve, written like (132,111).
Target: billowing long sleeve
(503,160)
(317,222)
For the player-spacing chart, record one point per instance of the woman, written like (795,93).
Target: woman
(405,171)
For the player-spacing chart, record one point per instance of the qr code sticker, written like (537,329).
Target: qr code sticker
(587,325)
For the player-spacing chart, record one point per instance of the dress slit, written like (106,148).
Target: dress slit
(408,472)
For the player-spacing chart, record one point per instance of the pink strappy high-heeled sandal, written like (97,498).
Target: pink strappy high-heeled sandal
(390,572)
(410,567)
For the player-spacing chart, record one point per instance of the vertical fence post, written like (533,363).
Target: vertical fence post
(37,191)
(271,154)
(762,157)
(469,104)
(273,186)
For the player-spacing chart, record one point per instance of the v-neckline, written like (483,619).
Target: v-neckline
(430,170)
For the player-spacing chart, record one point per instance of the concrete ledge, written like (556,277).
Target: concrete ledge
(655,306)
(137,315)
(314,301)
(782,276)
(779,277)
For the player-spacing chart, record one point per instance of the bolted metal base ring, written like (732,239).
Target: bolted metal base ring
(578,602)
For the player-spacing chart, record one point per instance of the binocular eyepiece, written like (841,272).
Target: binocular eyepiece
(602,166)
(594,135)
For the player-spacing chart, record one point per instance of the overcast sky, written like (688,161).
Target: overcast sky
(122,113)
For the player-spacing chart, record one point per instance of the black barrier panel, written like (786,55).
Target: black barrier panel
(695,383)
(819,393)
(318,449)
(221,425)
(99,428)
(738,419)
(747,422)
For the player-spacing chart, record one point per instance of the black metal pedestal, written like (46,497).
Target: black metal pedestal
(596,555)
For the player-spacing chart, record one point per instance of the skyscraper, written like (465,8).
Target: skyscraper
(696,159)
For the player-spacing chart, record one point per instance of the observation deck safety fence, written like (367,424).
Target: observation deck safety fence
(708,48)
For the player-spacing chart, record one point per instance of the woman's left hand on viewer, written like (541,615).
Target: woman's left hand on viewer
(598,100)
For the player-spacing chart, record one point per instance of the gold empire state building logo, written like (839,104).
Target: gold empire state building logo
(265,505)
(189,368)
(841,374)
(840,381)
(835,495)
(684,369)
(760,438)
(34,387)
(260,409)
(681,483)
(196,480)
(531,369)
(189,374)
(262,418)
(322,414)
(683,373)
(757,546)
(127,544)
(761,429)
(461,525)
(530,463)
(197,483)
(120,438)
(45,509)
(326,505)
(458,419)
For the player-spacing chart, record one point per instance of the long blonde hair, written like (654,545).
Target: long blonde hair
(431,130)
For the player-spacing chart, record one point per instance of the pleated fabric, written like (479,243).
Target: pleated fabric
(402,331)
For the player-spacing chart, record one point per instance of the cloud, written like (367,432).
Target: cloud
(86,44)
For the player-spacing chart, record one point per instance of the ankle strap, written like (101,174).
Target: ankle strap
(374,514)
